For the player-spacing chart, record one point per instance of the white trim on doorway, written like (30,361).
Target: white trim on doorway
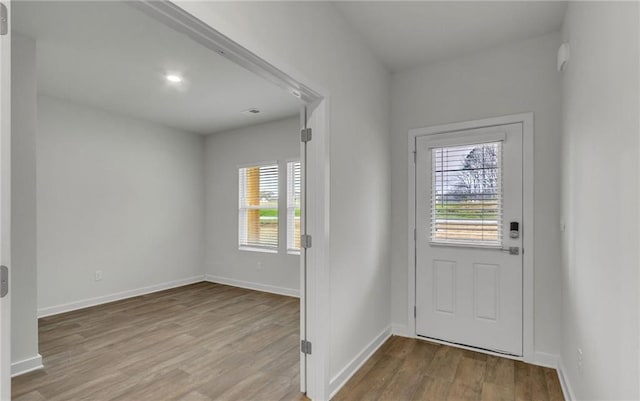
(315,294)
(5,205)
(527,226)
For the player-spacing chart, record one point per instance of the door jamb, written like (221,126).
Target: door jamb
(5,207)
(316,101)
(527,215)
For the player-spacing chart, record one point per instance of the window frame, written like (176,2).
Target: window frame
(257,248)
(468,243)
(291,250)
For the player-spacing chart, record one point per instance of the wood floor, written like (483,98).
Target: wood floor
(409,369)
(195,343)
(208,341)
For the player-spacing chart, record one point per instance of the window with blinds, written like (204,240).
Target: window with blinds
(293,207)
(258,208)
(466,195)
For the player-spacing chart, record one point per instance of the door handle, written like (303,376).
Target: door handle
(512,250)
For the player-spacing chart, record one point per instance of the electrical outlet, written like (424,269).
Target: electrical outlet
(580,360)
(259,266)
(98,275)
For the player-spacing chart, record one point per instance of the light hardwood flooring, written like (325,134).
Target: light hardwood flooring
(195,343)
(208,341)
(407,369)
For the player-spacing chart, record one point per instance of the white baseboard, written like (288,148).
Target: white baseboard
(356,363)
(546,360)
(54,310)
(290,292)
(567,390)
(26,366)
(400,330)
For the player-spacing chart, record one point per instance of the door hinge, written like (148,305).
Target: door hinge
(4,281)
(415,312)
(305,135)
(305,241)
(4,20)
(305,347)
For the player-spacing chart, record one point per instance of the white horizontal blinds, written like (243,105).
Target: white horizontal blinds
(466,195)
(293,206)
(258,207)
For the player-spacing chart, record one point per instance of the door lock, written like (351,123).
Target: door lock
(512,250)
(514,230)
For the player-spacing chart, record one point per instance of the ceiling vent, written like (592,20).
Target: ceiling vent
(251,112)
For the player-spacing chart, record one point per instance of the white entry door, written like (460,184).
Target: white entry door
(469,237)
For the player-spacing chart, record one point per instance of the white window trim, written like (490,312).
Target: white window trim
(445,140)
(526,119)
(256,248)
(290,251)
(257,164)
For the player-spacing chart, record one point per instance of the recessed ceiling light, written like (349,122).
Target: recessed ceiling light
(173,78)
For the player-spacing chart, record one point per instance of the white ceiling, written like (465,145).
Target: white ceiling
(406,34)
(114,57)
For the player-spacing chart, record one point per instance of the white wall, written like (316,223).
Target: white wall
(506,80)
(327,54)
(118,195)
(225,152)
(600,201)
(24,324)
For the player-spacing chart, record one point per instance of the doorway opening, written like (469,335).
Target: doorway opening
(313,173)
